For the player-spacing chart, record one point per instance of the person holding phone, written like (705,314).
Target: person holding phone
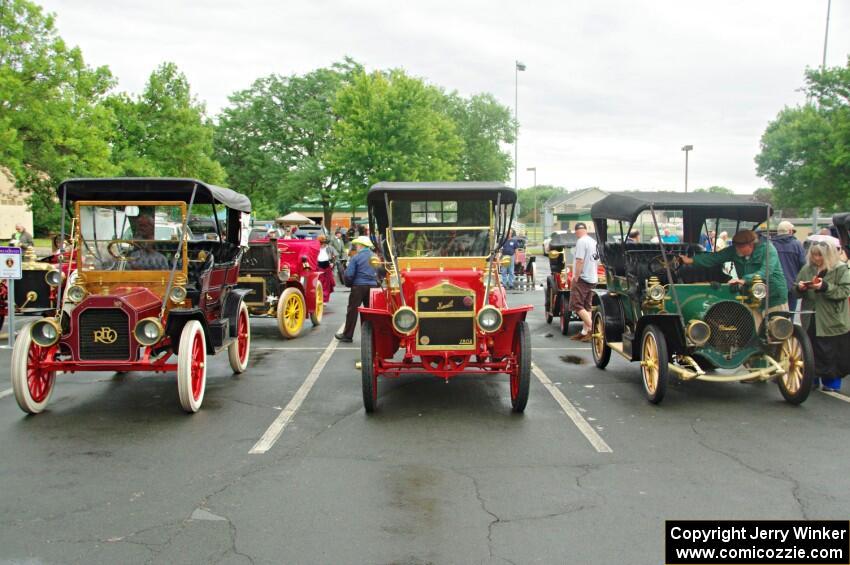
(824,285)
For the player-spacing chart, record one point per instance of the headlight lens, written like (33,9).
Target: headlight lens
(283,275)
(759,290)
(53,278)
(699,332)
(76,293)
(780,328)
(178,294)
(45,332)
(657,293)
(405,320)
(489,319)
(148,331)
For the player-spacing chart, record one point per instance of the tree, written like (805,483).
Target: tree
(164,131)
(805,151)
(276,139)
(538,195)
(393,127)
(52,125)
(483,126)
(716,190)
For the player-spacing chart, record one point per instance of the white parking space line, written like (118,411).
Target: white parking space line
(276,428)
(594,438)
(837,395)
(5,393)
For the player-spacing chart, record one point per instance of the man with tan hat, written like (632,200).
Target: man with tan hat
(751,256)
(361,277)
(792,257)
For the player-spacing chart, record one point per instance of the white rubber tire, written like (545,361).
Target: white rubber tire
(240,363)
(20,385)
(192,367)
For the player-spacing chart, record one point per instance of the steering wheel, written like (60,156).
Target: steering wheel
(117,253)
(656,264)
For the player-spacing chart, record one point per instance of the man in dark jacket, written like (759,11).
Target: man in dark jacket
(792,257)
(363,279)
(508,250)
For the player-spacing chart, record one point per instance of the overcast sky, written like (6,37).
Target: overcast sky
(612,91)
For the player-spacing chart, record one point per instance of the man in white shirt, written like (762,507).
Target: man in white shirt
(585,278)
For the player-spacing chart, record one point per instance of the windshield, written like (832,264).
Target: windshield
(129,237)
(441,228)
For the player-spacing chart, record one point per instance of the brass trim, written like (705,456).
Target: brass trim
(51,322)
(415,325)
(445,288)
(253,279)
(501,319)
(693,323)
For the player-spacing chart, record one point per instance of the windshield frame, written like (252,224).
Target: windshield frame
(491,235)
(133,275)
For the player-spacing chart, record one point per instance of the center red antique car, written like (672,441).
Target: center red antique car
(283,279)
(441,309)
(144,296)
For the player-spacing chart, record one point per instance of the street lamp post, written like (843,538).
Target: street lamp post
(517,68)
(826,35)
(686,149)
(534,170)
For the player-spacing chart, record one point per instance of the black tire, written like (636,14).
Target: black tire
(2,321)
(367,367)
(564,303)
(548,300)
(598,347)
(796,384)
(521,381)
(653,344)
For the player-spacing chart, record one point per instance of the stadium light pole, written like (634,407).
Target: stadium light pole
(686,149)
(517,68)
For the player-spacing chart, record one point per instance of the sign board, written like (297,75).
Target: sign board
(10,263)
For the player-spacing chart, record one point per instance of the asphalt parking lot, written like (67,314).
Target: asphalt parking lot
(273,470)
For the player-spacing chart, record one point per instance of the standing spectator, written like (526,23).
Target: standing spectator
(669,237)
(363,279)
(21,238)
(327,256)
(792,257)
(585,277)
(706,240)
(824,285)
(508,250)
(722,241)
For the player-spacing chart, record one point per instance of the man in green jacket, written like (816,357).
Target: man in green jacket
(747,253)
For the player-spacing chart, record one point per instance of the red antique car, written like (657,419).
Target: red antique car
(145,296)
(558,284)
(442,304)
(36,291)
(283,280)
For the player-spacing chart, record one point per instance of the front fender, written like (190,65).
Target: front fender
(503,340)
(232,302)
(386,340)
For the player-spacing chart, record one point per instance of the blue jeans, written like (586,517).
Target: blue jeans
(508,273)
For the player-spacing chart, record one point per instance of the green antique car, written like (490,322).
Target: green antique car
(683,321)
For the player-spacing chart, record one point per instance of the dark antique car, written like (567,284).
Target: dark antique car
(139,301)
(441,303)
(283,279)
(36,291)
(557,297)
(684,321)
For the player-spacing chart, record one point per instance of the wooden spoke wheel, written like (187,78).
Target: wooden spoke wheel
(291,312)
(192,366)
(654,363)
(797,358)
(600,350)
(316,314)
(368,374)
(240,349)
(521,373)
(32,385)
